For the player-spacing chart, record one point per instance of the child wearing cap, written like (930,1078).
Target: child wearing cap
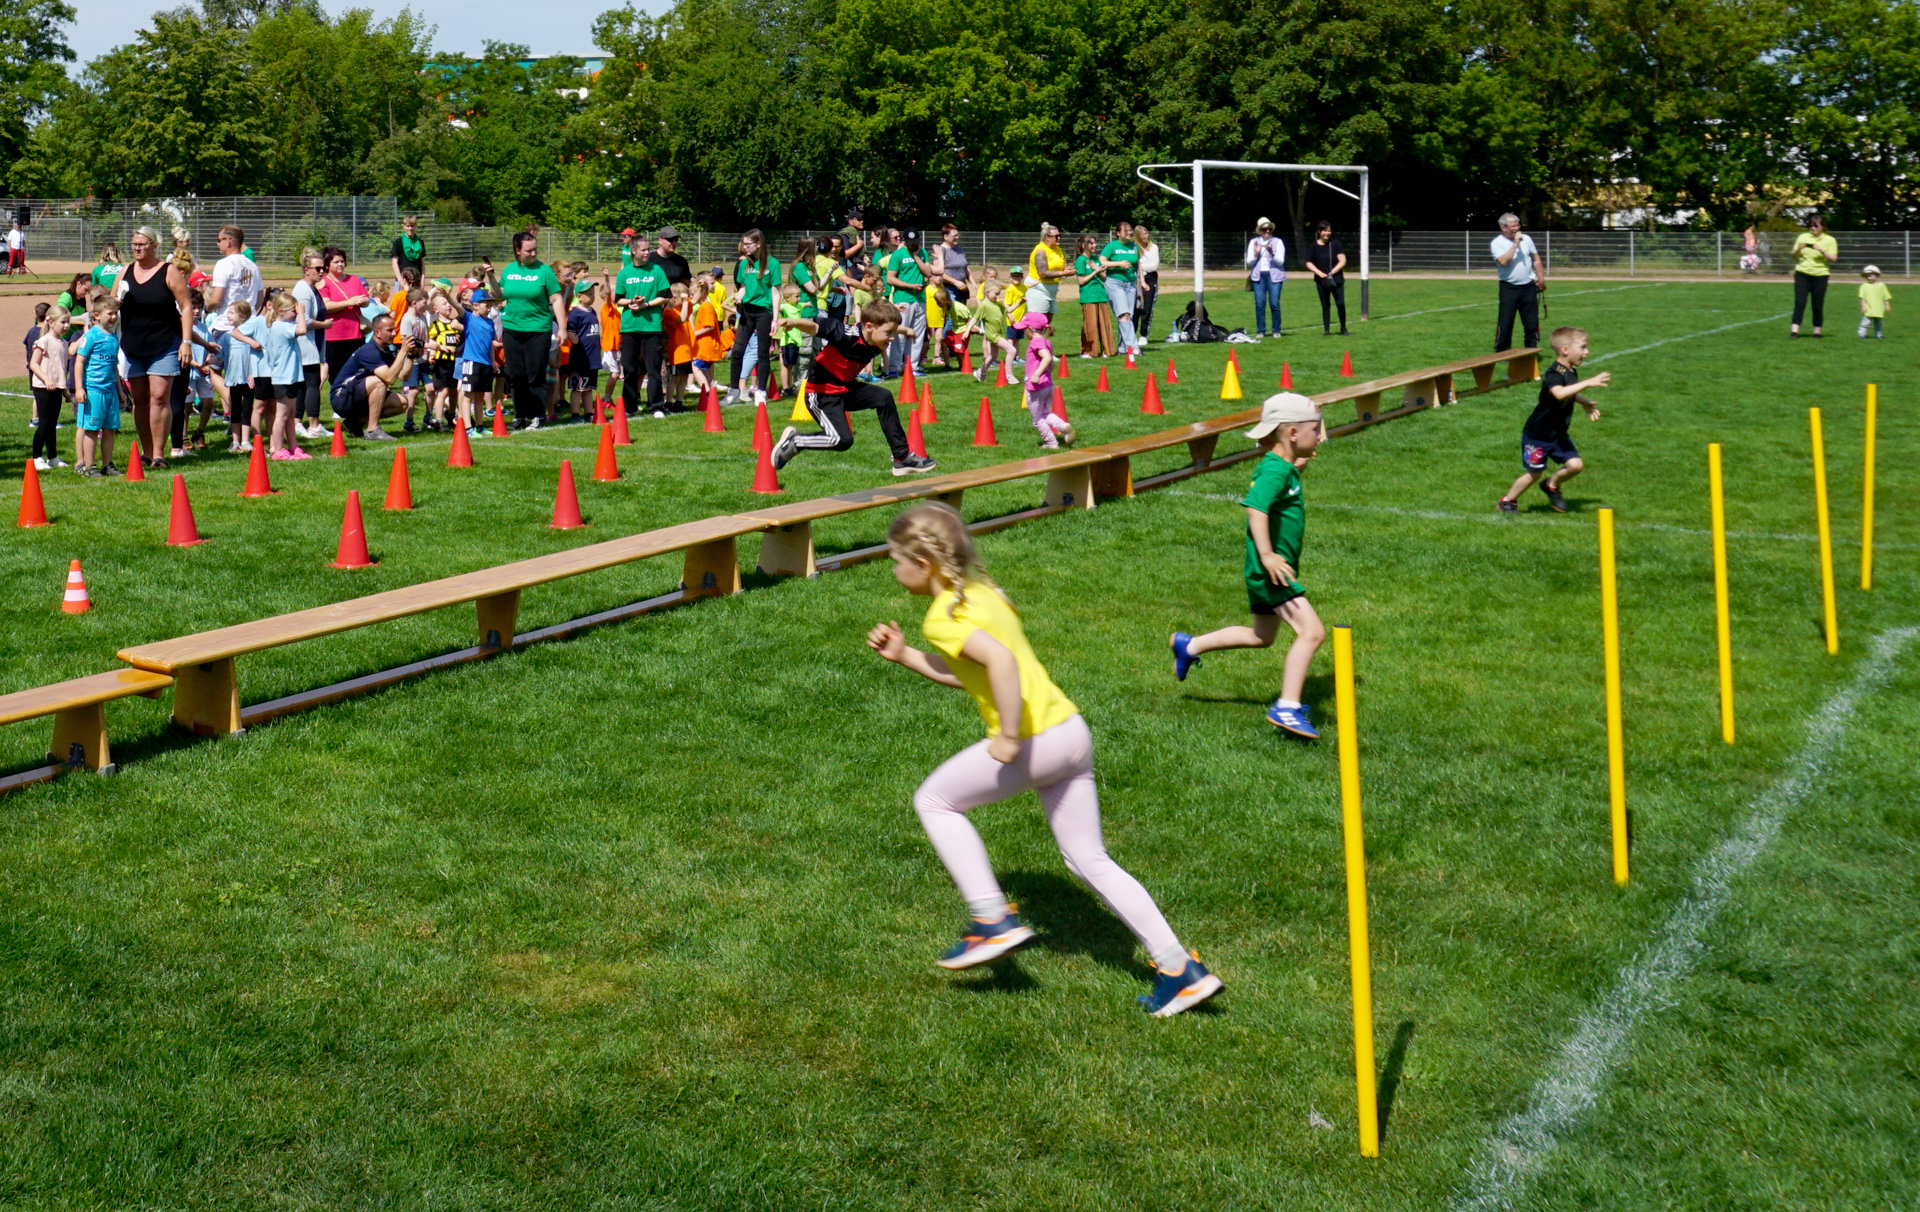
(1875,302)
(1290,431)
(1040,361)
(1013,300)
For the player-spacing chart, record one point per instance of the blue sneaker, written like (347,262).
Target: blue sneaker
(985,942)
(1182,661)
(1172,994)
(1292,719)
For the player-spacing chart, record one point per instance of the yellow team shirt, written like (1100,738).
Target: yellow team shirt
(1054,259)
(936,318)
(986,609)
(1806,254)
(1014,300)
(1874,297)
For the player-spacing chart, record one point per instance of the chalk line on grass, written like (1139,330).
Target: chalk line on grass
(1571,294)
(1686,336)
(1518,1150)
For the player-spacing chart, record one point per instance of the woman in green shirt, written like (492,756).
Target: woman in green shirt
(755,277)
(1813,251)
(1096,316)
(532,318)
(108,270)
(1121,258)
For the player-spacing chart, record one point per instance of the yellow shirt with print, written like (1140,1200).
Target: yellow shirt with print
(1807,250)
(986,609)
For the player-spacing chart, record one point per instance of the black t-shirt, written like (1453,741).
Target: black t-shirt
(418,262)
(1323,256)
(674,266)
(1550,416)
(837,366)
(362,362)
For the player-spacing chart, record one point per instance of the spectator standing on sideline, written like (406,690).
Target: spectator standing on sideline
(756,276)
(1326,260)
(156,337)
(1046,266)
(409,251)
(950,264)
(235,278)
(853,244)
(533,316)
(306,292)
(1096,314)
(344,295)
(668,258)
(1813,251)
(16,249)
(109,267)
(1121,257)
(907,274)
(1523,275)
(640,293)
(1148,288)
(1267,270)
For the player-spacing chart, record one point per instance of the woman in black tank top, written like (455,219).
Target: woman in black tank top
(156,335)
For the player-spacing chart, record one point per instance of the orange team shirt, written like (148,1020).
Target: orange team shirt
(397,304)
(609,329)
(707,346)
(679,337)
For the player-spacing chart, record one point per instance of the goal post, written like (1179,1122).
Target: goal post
(1197,198)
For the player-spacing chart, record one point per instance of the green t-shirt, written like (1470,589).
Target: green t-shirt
(412,248)
(104,274)
(993,319)
(1807,248)
(791,311)
(526,290)
(641,282)
(902,266)
(757,285)
(1091,291)
(1123,250)
(803,278)
(1874,297)
(1275,491)
(247,252)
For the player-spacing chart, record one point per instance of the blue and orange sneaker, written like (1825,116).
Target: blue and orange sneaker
(1180,991)
(1292,719)
(985,942)
(1182,659)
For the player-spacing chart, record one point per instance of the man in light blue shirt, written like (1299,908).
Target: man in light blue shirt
(1522,277)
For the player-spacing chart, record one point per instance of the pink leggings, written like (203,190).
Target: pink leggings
(1058,765)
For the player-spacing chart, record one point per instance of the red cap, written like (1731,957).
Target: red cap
(629,232)
(199,278)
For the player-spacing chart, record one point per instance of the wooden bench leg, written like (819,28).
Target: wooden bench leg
(1524,369)
(787,551)
(1483,378)
(86,727)
(1368,406)
(1443,390)
(1071,487)
(497,615)
(1200,450)
(206,698)
(1113,478)
(711,569)
(951,498)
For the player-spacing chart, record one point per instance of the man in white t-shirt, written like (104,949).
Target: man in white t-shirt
(236,279)
(1522,277)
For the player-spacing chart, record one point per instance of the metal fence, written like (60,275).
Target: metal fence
(75,229)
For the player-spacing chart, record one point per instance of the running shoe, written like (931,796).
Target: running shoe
(280,456)
(785,448)
(111,470)
(1507,506)
(59,462)
(985,942)
(1292,719)
(376,434)
(40,464)
(913,465)
(298,452)
(1173,994)
(1554,498)
(1182,659)
(1069,434)
(409,427)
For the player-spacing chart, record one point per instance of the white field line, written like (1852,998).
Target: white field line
(1686,336)
(1598,290)
(1518,1150)
(1498,519)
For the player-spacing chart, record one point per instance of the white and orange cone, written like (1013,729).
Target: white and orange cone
(77,600)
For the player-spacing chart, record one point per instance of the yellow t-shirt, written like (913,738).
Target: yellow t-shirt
(1014,300)
(985,609)
(1806,253)
(1045,254)
(936,317)
(1874,297)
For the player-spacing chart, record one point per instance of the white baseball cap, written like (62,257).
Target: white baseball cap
(1284,408)
(1871,269)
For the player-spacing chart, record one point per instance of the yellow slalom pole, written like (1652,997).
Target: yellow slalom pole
(1826,532)
(1866,504)
(1723,624)
(1616,747)
(1356,891)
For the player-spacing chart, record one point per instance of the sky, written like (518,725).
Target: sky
(563,27)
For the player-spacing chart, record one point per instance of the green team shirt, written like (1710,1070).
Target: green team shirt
(902,266)
(1122,250)
(104,274)
(1091,291)
(526,290)
(993,319)
(791,311)
(641,282)
(803,278)
(757,285)
(1275,491)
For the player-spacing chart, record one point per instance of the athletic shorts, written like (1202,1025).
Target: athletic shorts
(1264,597)
(476,376)
(1534,453)
(442,371)
(584,381)
(682,369)
(702,365)
(790,354)
(100,409)
(264,391)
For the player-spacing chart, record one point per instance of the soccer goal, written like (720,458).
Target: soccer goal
(1200,167)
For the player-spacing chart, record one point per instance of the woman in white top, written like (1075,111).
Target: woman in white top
(1267,269)
(1149,283)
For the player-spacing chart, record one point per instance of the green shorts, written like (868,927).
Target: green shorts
(1264,597)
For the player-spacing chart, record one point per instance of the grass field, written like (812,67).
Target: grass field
(645,919)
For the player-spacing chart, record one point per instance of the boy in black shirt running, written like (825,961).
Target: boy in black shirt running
(1545,434)
(834,388)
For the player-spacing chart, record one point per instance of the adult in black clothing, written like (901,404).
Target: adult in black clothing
(1326,260)
(156,335)
(409,251)
(667,256)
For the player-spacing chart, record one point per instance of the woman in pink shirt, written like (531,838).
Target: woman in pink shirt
(343,295)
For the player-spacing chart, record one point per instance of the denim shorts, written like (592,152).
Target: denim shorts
(166,364)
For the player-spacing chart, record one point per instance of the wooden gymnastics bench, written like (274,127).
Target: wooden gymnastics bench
(1432,386)
(78,708)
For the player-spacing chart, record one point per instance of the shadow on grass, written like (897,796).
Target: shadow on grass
(1007,976)
(1070,919)
(1390,1075)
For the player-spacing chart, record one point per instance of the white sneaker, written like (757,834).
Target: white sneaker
(59,463)
(42,465)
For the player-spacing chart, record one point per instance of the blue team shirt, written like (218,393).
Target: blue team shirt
(101,349)
(585,327)
(478,343)
(280,360)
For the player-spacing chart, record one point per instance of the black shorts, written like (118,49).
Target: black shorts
(790,354)
(1535,452)
(583,380)
(442,372)
(683,369)
(350,405)
(479,377)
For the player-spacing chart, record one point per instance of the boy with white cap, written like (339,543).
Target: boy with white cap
(1290,431)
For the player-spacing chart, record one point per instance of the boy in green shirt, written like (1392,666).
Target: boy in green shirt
(1290,431)
(1875,301)
(789,335)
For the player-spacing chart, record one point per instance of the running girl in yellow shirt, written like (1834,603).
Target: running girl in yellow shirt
(1036,740)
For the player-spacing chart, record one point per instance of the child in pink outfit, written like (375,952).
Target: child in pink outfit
(1039,381)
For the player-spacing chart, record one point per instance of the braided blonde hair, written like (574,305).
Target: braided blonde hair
(933,531)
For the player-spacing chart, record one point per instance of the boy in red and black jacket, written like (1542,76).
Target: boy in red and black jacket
(834,388)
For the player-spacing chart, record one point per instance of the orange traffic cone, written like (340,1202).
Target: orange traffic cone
(599,412)
(764,479)
(499,421)
(259,484)
(1346,364)
(1059,403)
(622,436)
(1173,376)
(909,390)
(399,487)
(1286,377)
(605,468)
(566,502)
(181,532)
(1002,380)
(966,358)
(714,423)
(1129,365)
(983,428)
(137,467)
(1150,400)
(1062,369)
(352,552)
(461,454)
(77,601)
(762,432)
(916,441)
(33,506)
(1102,384)
(927,415)
(339,448)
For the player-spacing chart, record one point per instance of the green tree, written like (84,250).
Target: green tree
(33,46)
(1854,69)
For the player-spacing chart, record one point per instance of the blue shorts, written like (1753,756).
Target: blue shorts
(167,364)
(1534,453)
(101,409)
(700,365)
